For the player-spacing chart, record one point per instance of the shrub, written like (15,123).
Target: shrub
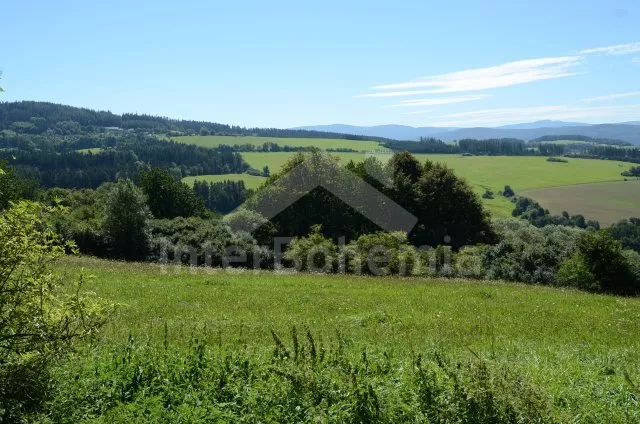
(313,253)
(508,191)
(528,254)
(559,160)
(41,314)
(574,272)
(381,253)
(488,194)
(627,232)
(603,257)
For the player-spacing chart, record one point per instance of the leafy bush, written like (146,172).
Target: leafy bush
(508,191)
(205,241)
(41,314)
(528,254)
(488,194)
(627,232)
(531,210)
(559,160)
(602,256)
(381,253)
(313,253)
(167,197)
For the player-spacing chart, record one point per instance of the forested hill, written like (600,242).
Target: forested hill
(37,117)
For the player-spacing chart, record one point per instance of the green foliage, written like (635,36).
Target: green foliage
(313,252)
(531,211)
(41,314)
(223,196)
(627,232)
(126,221)
(381,253)
(508,191)
(602,256)
(12,187)
(633,172)
(168,197)
(447,210)
(574,272)
(528,254)
(81,220)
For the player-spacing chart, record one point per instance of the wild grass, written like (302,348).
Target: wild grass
(320,143)
(250,181)
(196,345)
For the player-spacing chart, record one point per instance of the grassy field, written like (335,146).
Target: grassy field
(322,143)
(522,173)
(250,181)
(93,150)
(571,356)
(605,202)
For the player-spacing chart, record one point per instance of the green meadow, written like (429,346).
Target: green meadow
(250,181)
(321,143)
(492,172)
(196,345)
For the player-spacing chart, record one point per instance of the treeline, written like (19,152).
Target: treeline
(611,153)
(584,138)
(223,196)
(51,161)
(503,147)
(268,146)
(31,117)
(424,145)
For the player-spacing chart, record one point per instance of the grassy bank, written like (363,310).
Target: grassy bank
(393,350)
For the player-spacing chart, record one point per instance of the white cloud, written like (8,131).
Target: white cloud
(635,60)
(504,116)
(417,112)
(396,93)
(617,49)
(440,101)
(611,97)
(507,74)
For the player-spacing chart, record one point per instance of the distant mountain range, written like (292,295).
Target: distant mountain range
(627,131)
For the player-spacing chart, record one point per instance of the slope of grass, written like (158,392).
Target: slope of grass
(250,181)
(492,172)
(605,202)
(321,143)
(205,349)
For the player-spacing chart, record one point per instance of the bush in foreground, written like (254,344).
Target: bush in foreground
(41,315)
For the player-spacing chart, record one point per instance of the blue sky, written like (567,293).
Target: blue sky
(285,64)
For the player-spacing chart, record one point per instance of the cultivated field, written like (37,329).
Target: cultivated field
(250,181)
(605,202)
(522,173)
(555,354)
(321,143)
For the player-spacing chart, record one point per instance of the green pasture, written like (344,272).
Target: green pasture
(250,181)
(575,356)
(321,143)
(492,172)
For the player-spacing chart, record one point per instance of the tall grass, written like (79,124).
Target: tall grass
(263,347)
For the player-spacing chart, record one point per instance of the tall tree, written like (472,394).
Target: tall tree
(169,198)
(126,221)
